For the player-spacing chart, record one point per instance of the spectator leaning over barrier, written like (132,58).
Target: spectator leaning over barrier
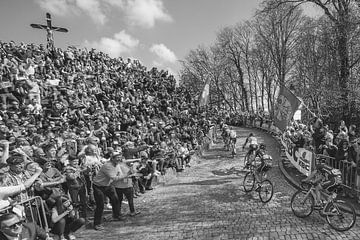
(6,192)
(329,148)
(124,184)
(13,227)
(17,175)
(109,172)
(342,153)
(352,133)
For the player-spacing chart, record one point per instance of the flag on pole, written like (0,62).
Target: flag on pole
(204,98)
(285,107)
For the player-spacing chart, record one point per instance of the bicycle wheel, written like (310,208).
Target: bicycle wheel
(340,215)
(266,191)
(302,204)
(249,182)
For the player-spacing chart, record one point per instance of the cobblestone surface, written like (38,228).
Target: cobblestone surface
(207,201)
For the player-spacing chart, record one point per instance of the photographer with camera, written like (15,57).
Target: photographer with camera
(64,219)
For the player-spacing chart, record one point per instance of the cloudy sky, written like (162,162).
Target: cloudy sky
(157,32)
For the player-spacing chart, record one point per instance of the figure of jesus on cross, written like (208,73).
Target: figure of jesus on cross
(49,30)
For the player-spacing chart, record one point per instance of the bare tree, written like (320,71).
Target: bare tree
(340,13)
(231,50)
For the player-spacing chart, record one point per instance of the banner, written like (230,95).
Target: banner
(300,158)
(204,98)
(286,105)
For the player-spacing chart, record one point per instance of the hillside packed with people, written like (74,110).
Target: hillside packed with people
(80,130)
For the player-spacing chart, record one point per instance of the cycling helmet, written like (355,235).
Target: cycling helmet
(262,146)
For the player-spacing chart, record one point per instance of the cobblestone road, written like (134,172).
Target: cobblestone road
(207,201)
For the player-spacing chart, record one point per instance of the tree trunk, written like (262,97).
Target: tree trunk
(344,68)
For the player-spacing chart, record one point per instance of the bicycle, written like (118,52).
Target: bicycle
(265,187)
(334,209)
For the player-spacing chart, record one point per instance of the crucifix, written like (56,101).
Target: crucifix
(49,30)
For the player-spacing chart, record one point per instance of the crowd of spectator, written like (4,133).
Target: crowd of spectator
(80,130)
(340,145)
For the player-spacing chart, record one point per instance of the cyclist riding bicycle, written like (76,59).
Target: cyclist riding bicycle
(226,135)
(253,144)
(325,179)
(232,135)
(265,163)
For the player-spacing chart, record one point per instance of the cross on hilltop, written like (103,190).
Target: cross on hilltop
(49,29)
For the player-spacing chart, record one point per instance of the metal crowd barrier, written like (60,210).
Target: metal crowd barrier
(34,211)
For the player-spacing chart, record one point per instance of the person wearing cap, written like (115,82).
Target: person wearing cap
(18,176)
(9,191)
(102,185)
(13,227)
(49,182)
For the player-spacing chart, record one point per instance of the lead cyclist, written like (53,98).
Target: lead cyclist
(253,145)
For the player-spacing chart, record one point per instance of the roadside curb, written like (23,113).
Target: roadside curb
(287,176)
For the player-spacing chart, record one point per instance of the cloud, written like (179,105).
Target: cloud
(116,46)
(93,9)
(57,7)
(143,13)
(163,53)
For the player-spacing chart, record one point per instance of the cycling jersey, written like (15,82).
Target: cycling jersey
(252,141)
(264,165)
(232,134)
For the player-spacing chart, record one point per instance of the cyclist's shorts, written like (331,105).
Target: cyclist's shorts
(253,147)
(233,140)
(328,184)
(263,168)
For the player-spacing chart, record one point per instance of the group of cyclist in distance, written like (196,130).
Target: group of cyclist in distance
(256,151)
(324,178)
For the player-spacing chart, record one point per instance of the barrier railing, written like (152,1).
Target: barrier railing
(34,211)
